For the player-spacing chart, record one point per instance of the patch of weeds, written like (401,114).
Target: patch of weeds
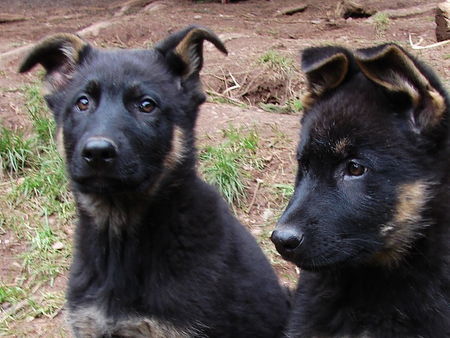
(36,208)
(10,294)
(41,118)
(48,306)
(277,81)
(276,61)
(47,256)
(225,165)
(214,98)
(292,106)
(295,105)
(381,21)
(447,56)
(274,108)
(221,169)
(239,140)
(245,143)
(15,151)
(47,183)
(25,308)
(285,191)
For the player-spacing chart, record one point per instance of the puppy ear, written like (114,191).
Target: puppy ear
(186,47)
(58,54)
(392,68)
(325,68)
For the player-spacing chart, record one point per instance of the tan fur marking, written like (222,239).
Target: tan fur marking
(60,142)
(330,79)
(187,50)
(308,100)
(178,150)
(406,223)
(182,48)
(105,213)
(92,322)
(416,90)
(438,106)
(341,145)
(71,46)
(412,198)
(173,158)
(364,61)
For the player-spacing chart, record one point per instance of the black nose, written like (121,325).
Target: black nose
(286,240)
(99,151)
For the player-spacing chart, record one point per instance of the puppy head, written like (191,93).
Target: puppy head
(126,116)
(373,142)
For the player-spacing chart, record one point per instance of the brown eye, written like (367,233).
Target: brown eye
(355,169)
(83,103)
(147,106)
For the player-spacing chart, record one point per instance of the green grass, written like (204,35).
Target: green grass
(292,106)
(15,151)
(48,253)
(36,208)
(285,191)
(226,165)
(276,61)
(221,169)
(281,76)
(215,98)
(11,294)
(381,22)
(43,123)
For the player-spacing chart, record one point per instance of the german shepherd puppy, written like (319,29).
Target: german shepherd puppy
(157,252)
(369,221)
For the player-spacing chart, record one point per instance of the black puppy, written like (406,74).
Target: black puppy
(369,222)
(157,252)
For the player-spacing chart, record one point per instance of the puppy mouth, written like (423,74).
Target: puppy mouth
(328,261)
(104,184)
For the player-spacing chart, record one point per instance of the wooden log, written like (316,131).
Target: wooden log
(292,10)
(10,18)
(443,21)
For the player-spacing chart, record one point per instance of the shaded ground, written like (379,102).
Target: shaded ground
(237,84)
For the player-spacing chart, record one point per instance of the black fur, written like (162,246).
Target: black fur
(157,251)
(369,222)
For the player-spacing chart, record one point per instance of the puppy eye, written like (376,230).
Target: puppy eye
(147,106)
(83,103)
(355,169)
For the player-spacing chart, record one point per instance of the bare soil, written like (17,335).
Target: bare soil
(249,29)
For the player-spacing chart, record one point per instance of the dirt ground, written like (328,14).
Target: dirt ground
(249,29)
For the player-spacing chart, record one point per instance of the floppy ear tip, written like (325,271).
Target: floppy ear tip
(223,49)
(313,58)
(26,65)
(372,53)
(50,44)
(307,57)
(210,36)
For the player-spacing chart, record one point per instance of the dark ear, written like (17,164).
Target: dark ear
(184,50)
(391,67)
(58,54)
(325,68)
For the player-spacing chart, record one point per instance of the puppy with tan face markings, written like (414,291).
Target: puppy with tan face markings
(157,251)
(369,221)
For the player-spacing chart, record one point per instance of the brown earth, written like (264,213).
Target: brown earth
(249,29)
